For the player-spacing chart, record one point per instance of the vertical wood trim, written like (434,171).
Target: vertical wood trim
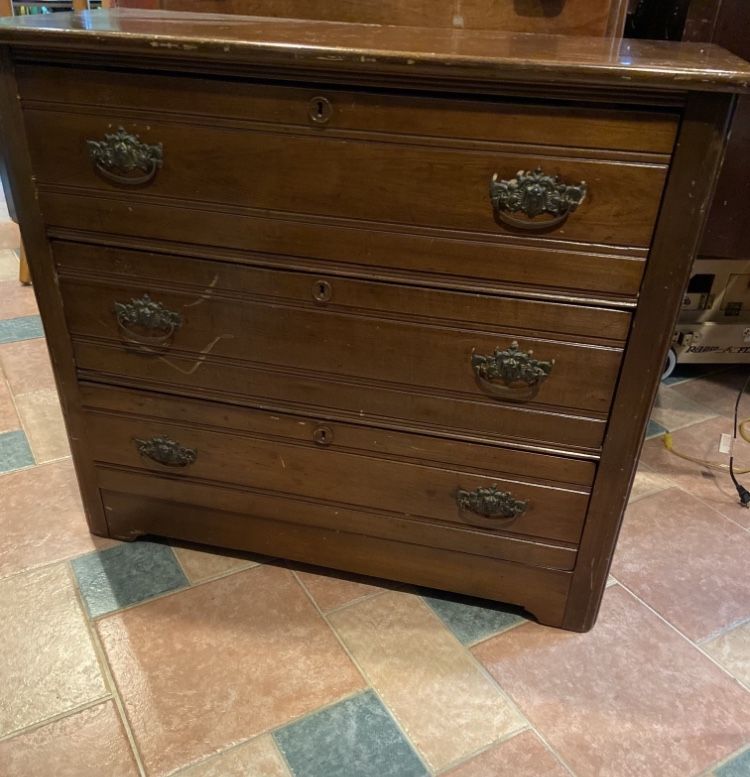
(19,172)
(690,187)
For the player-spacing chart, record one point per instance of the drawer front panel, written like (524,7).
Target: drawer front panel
(340,249)
(324,176)
(341,111)
(320,468)
(220,516)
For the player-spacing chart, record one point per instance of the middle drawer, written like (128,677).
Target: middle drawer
(494,367)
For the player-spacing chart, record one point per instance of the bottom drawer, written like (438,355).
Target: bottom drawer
(138,504)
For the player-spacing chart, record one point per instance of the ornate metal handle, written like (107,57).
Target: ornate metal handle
(165,451)
(146,323)
(511,374)
(491,503)
(534,194)
(123,158)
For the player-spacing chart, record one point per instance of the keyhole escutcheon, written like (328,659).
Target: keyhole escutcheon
(323,435)
(322,291)
(320,110)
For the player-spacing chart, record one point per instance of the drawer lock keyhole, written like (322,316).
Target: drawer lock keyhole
(322,291)
(320,110)
(323,435)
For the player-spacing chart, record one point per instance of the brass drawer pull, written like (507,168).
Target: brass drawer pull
(165,451)
(491,503)
(145,322)
(124,159)
(511,374)
(534,194)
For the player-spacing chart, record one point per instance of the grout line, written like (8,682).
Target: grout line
(55,718)
(108,675)
(724,631)
(710,771)
(683,636)
(401,727)
(460,761)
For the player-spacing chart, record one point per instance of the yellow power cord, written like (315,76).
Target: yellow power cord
(668,444)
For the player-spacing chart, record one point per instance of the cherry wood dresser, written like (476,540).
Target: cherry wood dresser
(391,300)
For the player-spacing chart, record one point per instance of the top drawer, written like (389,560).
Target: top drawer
(390,161)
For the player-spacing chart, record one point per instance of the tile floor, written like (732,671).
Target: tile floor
(121,660)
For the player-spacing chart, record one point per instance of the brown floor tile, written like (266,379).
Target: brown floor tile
(200,565)
(42,420)
(48,662)
(523,755)
(258,758)
(27,365)
(211,666)
(446,705)
(732,651)
(702,442)
(686,561)
(631,698)
(9,420)
(42,518)
(332,589)
(90,743)
(17,300)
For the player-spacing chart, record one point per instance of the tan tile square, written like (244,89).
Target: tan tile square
(8,265)
(10,237)
(686,561)
(631,698)
(447,706)
(258,758)
(42,518)
(9,420)
(42,419)
(200,565)
(27,366)
(523,755)
(48,661)
(717,391)
(732,651)
(331,589)
(702,442)
(90,743)
(647,482)
(214,665)
(675,411)
(17,300)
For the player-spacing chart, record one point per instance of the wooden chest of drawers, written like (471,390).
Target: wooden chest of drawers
(394,302)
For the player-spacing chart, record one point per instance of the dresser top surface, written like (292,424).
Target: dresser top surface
(476,55)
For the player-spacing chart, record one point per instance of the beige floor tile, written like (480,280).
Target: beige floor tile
(10,237)
(90,743)
(9,420)
(674,411)
(17,300)
(647,482)
(732,651)
(686,561)
(48,663)
(717,391)
(214,665)
(631,698)
(41,417)
(26,364)
(200,565)
(8,265)
(446,705)
(259,758)
(713,487)
(523,755)
(332,589)
(42,518)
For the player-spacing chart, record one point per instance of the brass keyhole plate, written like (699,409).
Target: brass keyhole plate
(322,291)
(323,435)
(320,110)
